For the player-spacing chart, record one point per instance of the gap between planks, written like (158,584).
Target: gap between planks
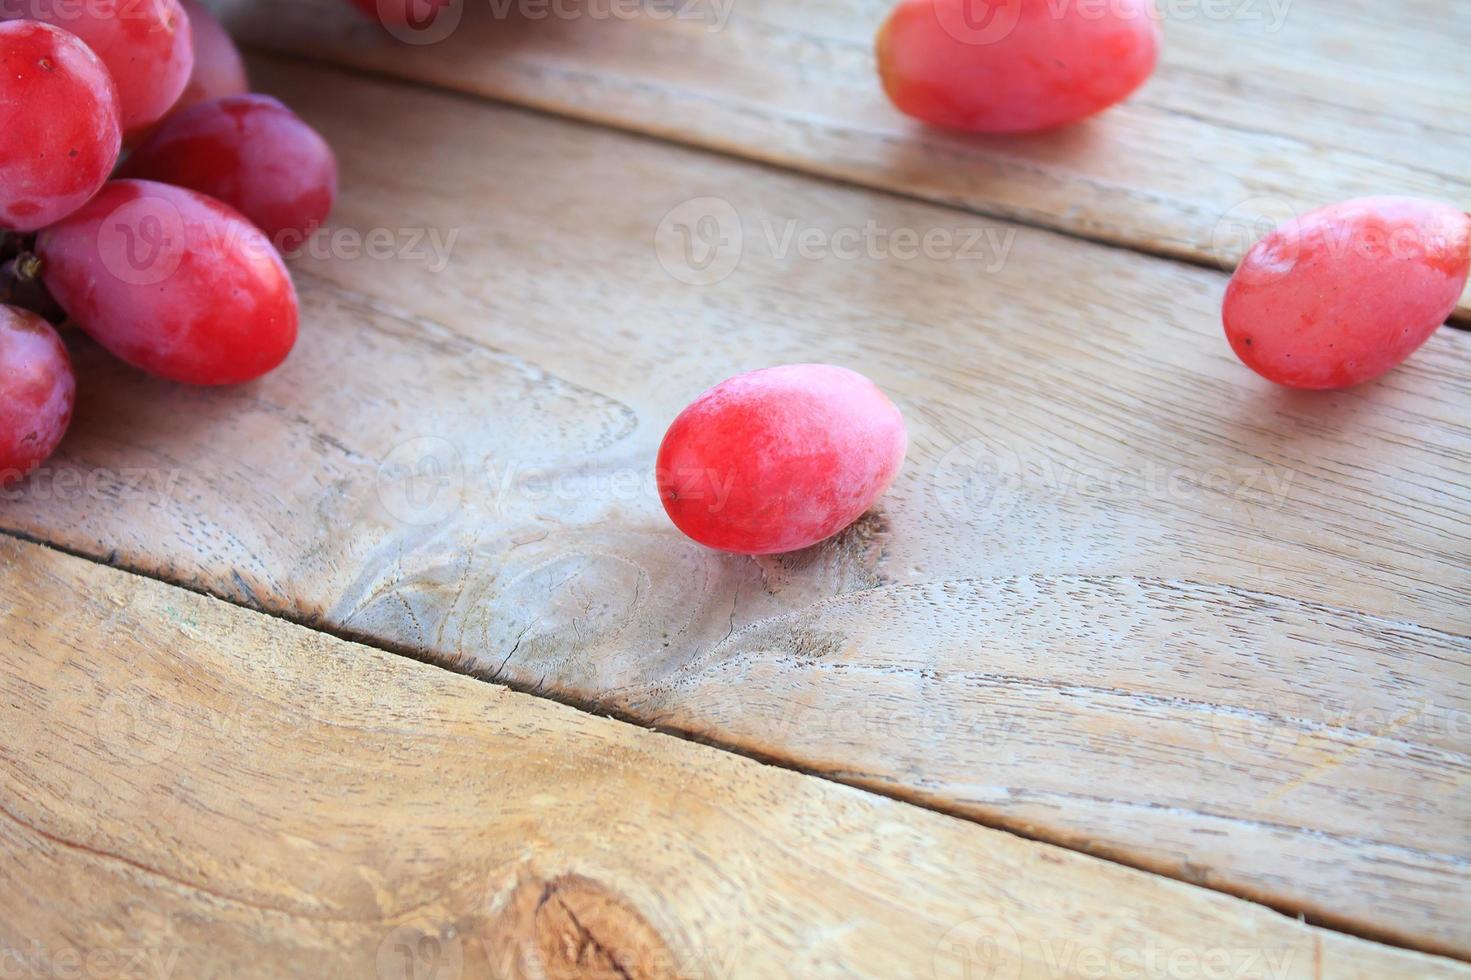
(1460,318)
(854,780)
(562,112)
(482,888)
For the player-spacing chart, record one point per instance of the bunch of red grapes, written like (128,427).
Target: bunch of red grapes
(145,196)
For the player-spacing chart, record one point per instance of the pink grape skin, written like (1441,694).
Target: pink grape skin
(251,152)
(1014,66)
(216,306)
(219,71)
(1339,296)
(59,134)
(145,45)
(779,459)
(37,392)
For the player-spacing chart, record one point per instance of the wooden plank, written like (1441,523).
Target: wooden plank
(1125,595)
(1261,109)
(191,789)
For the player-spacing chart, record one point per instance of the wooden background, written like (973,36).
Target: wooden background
(1129,615)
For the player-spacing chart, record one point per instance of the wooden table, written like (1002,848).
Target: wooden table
(390,665)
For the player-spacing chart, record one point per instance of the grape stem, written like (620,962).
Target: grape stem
(20,279)
(17,275)
(25,267)
(18,263)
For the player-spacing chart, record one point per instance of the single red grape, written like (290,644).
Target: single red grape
(219,71)
(145,45)
(1014,66)
(251,152)
(37,392)
(59,134)
(1341,295)
(172,282)
(779,459)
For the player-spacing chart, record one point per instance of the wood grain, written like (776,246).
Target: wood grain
(191,789)
(1261,109)
(1125,595)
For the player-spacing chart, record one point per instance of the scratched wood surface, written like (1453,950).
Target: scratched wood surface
(1261,109)
(1125,596)
(192,789)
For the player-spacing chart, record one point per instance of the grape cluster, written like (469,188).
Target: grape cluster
(145,195)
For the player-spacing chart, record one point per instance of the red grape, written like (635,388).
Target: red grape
(37,392)
(1341,295)
(779,459)
(219,70)
(145,45)
(249,151)
(1013,66)
(172,282)
(59,133)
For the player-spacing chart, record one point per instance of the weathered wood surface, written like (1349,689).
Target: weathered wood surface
(1125,596)
(191,789)
(1261,109)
